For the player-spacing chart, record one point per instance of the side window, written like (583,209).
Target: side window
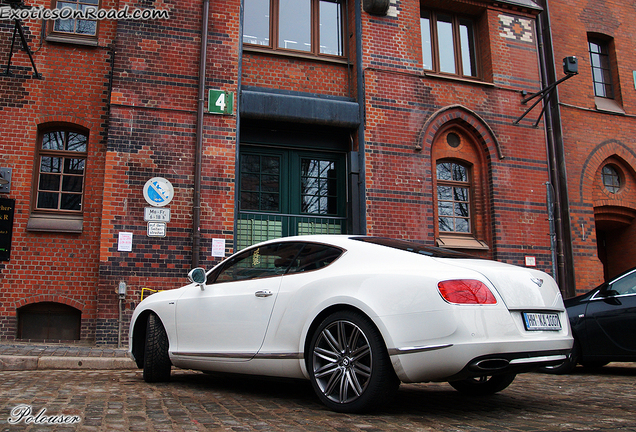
(62,162)
(625,285)
(59,180)
(259,262)
(74,30)
(315,256)
(313,27)
(448,44)
(453,198)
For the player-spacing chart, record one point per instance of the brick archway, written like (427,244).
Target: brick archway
(614,213)
(469,120)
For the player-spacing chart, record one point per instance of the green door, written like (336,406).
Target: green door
(289,192)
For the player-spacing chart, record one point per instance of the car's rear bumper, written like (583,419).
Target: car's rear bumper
(456,362)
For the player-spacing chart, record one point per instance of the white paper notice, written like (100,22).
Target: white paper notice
(218,247)
(125,242)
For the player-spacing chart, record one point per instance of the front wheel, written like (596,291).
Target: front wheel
(157,363)
(483,386)
(348,363)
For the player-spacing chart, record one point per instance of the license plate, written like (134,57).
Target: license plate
(535,321)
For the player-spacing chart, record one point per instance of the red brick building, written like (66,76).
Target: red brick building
(597,110)
(388,118)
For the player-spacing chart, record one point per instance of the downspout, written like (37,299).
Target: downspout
(238,125)
(362,224)
(196,206)
(556,162)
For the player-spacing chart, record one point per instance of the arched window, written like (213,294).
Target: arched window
(611,178)
(453,198)
(460,190)
(59,179)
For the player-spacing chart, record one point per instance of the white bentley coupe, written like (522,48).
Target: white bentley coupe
(356,316)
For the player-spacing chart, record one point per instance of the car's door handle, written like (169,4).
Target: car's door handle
(263,293)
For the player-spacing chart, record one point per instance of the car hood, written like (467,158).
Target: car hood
(520,287)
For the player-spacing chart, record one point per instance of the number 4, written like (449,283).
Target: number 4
(220,102)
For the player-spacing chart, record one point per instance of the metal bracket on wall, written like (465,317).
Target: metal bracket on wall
(570,68)
(17,28)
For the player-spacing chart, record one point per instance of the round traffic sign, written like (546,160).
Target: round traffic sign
(158,192)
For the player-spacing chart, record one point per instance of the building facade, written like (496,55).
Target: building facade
(597,111)
(267,118)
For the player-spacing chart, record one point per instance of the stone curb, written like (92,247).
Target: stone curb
(22,363)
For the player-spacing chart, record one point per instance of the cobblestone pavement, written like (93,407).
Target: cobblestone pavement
(119,400)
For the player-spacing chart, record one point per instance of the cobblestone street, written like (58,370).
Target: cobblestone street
(193,401)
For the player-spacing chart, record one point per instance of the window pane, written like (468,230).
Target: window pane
(444,171)
(249,201)
(74,166)
(331,28)
(427,45)
(460,173)
(462,225)
(250,163)
(256,22)
(446,46)
(72,183)
(47,200)
(71,202)
(76,142)
(318,186)
(51,164)
(49,182)
(446,224)
(269,202)
(467,41)
(294,28)
(53,141)
(445,193)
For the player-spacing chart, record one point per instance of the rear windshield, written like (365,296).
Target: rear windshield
(414,247)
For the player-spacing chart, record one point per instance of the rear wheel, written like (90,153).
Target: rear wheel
(157,363)
(483,386)
(348,363)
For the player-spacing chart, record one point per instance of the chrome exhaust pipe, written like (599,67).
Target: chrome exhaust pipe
(490,365)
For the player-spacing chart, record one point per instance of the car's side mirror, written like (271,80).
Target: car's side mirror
(198,276)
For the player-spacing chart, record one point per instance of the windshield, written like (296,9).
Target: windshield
(414,247)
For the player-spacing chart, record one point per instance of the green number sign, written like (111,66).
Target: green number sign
(220,102)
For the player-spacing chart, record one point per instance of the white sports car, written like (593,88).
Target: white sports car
(355,315)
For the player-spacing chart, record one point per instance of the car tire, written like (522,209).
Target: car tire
(157,363)
(568,365)
(483,386)
(349,367)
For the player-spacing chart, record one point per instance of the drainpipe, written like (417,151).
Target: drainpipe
(556,159)
(196,206)
(362,224)
(238,126)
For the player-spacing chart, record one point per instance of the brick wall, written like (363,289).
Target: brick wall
(55,267)
(153,134)
(593,138)
(407,109)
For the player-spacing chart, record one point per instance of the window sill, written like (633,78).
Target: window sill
(75,40)
(452,242)
(608,105)
(457,78)
(55,223)
(295,54)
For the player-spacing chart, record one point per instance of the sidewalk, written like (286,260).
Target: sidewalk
(17,356)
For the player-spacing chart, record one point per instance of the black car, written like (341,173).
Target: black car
(603,324)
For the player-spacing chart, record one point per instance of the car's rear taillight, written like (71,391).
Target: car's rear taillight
(466,291)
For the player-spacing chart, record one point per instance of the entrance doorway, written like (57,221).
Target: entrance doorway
(285,192)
